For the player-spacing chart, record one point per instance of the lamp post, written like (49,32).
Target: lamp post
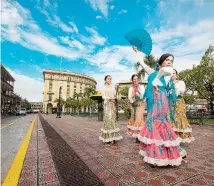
(59,109)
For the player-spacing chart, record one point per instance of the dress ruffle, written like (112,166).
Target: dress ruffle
(110,139)
(110,130)
(161,134)
(136,127)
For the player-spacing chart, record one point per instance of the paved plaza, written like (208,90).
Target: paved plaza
(76,139)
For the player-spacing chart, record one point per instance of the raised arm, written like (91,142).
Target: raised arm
(140,60)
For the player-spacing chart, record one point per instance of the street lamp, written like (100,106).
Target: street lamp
(59,108)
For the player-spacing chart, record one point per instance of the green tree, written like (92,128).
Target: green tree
(26,104)
(88,92)
(189,99)
(78,97)
(85,102)
(201,78)
(61,103)
(74,104)
(148,60)
(68,103)
(124,103)
(124,91)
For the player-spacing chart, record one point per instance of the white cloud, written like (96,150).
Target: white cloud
(99,17)
(112,7)
(74,26)
(147,7)
(37,68)
(73,43)
(48,45)
(122,11)
(187,42)
(46,3)
(100,5)
(49,10)
(185,39)
(95,37)
(19,27)
(190,11)
(198,3)
(27,87)
(113,58)
(58,22)
(55,21)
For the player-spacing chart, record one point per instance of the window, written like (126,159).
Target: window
(80,88)
(50,85)
(68,89)
(49,97)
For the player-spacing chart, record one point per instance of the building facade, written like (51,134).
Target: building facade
(9,100)
(71,84)
(36,106)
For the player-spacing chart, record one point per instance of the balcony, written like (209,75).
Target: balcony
(50,92)
(6,86)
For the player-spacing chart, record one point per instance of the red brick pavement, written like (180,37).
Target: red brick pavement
(38,168)
(122,165)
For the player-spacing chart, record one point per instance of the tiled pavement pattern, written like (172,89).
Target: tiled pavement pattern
(122,165)
(38,168)
(71,169)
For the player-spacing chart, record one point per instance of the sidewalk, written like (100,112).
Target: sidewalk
(38,168)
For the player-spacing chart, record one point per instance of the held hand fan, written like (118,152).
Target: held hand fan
(140,39)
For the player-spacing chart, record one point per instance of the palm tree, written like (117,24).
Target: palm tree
(62,102)
(148,60)
(85,102)
(78,96)
(88,92)
(68,103)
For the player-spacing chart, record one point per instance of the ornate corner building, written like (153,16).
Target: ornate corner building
(71,84)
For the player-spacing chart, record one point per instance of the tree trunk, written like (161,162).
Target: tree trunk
(100,110)
(90,108)
(212,107)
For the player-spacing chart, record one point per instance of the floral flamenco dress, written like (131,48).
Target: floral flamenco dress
(181,127)
(109,131)
(136,122)
(160,145)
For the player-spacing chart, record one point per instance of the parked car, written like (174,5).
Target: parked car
(21,111)
(120,111)
(29,111)
(35,110)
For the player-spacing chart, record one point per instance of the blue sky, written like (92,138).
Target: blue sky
(87,36)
